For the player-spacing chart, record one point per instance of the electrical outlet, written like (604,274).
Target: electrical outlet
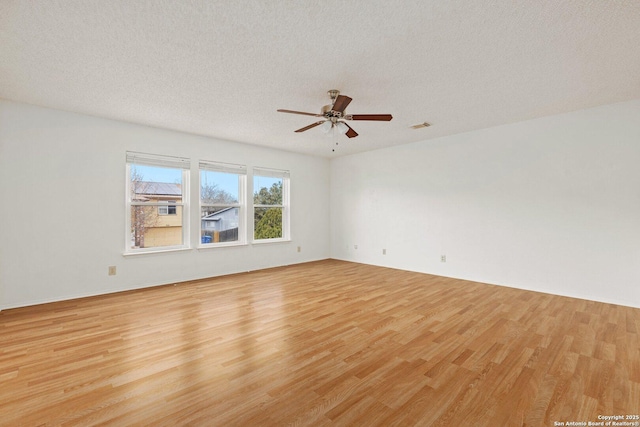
(443,258)
(384,252)
(112,270)
(299,248)
(355,246)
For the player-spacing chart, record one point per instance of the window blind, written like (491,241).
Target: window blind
(271,173)
(157,160)
(223,167)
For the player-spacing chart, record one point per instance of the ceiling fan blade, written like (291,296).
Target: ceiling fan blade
(311,126)
(341,103)
(377,117)
(300,112)
(351,133)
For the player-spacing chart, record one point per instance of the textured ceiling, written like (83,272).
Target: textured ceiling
(222,68)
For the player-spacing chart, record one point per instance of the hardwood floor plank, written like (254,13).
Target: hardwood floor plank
(319,344)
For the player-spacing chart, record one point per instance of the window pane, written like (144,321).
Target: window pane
(267,191)
(219,224)
(155,184)
(218,187)
(267,223)
(157,174)
(156,205)
(150,230)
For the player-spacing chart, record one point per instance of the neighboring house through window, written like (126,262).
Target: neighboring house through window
(222,203)
(157,202)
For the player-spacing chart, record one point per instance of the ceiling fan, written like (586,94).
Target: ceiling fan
(334,115)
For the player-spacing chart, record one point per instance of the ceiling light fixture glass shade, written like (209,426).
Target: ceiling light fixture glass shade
(326,126)
(342,127)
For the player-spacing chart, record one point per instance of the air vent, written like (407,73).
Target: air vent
(421,125)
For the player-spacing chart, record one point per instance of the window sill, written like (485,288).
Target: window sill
(220,245)
(159,251)
(267,241)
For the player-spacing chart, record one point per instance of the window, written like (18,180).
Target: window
(270,204)
(222,203)
(168,210)
(157,203)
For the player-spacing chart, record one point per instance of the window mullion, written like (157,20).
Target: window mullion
(157,204)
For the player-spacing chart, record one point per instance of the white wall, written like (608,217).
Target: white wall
(62,181)
(551,204)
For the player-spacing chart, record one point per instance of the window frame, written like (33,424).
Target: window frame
(155,160)
(285,206)
(231,169)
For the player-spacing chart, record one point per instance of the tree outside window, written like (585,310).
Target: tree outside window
(270,204)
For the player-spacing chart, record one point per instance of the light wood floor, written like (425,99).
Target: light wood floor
(321,344)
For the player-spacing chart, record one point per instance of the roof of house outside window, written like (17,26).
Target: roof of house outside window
(216,215)
(158,188)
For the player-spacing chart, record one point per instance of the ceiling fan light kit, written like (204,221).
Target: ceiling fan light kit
(331,129)
(342,127)
(334,116)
